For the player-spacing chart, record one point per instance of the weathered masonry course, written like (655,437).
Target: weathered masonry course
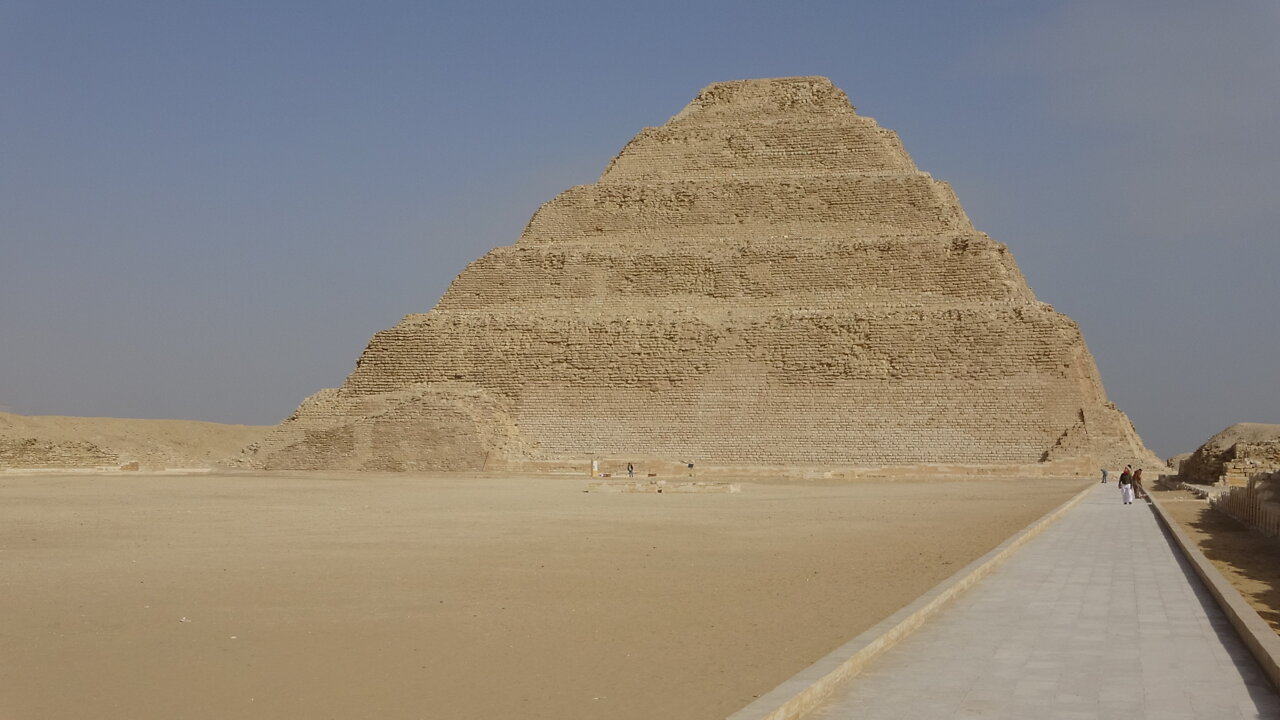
(765,279)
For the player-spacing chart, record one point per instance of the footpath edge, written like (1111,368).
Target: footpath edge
(1254,632)
(808,688)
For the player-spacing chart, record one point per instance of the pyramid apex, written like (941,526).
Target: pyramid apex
(769,96)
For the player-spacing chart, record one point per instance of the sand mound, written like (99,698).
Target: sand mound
(1243,432)
(396,596)
(50,441)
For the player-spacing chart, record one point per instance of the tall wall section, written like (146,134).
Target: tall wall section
(765,279)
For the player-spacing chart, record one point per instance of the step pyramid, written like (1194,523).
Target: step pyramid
(766,279)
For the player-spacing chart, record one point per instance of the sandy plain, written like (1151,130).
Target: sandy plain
(1249,560)
(448,596)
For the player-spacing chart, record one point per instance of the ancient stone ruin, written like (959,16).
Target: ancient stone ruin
(30,442)
(766,279)
(1234,455)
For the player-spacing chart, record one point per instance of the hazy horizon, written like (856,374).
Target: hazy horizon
(207,210)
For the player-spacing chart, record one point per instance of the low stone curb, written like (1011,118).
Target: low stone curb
(1204,492)
(1254,632)
(804,691)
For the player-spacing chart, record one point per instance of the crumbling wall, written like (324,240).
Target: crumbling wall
(30,452)
(1234,455)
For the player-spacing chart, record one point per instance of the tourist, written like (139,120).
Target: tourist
(1126,486)
(1137,484)
(1104,476)
(631,470)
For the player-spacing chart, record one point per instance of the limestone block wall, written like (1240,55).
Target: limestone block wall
(1253,458)
(39,453)
(1236,453)
(688,150)
(765,273)
(765,279)
(807,207)
(653,347)
(739,102)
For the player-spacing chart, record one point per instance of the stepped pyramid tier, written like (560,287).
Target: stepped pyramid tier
(766,279)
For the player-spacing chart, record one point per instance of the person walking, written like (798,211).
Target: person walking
(631,470)
(1138,490)
(1126,486)
(1104,476)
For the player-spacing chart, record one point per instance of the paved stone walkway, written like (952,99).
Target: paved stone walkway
(1098,617)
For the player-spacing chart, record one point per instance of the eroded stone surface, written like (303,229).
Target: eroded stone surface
(1234,455)
(765,279)
(54,442)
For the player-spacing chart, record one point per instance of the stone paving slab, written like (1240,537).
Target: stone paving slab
(1099,617)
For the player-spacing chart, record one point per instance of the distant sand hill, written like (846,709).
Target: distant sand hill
(49,441)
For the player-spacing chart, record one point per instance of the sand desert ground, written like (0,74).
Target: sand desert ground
(456,596)
(806,296)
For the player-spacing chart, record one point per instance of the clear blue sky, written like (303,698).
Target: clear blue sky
(206,209)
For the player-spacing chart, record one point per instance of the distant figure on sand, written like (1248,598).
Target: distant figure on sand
(1137,484)
(1126,486)
(1104,476)
(631,470)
